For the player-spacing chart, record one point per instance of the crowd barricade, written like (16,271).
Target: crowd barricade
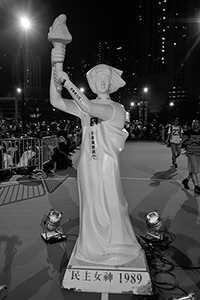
(48,143)
(16,153)
(20,152)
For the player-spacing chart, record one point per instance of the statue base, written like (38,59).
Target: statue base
(134,279)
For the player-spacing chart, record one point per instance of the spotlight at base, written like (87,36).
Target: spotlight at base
(52,228)
(155,227)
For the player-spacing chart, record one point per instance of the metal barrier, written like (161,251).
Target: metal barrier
(23,152)
(20,152)
(48,143)
(26,155)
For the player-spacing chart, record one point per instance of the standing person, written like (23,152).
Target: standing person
(106,236)
(191,142)
(174,137)
(63,140)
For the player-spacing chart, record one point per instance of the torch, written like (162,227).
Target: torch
(59,36)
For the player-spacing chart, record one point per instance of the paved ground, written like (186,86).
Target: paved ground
(33,269)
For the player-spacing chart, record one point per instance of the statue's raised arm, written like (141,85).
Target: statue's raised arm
(60,36)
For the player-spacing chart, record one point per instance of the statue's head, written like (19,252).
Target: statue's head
(104,79)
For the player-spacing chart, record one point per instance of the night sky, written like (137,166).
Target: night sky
(88,21)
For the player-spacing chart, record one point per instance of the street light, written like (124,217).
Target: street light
(131,108)
(143,108)
(25,25)
(19,90)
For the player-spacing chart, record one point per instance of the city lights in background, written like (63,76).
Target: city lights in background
(145,89)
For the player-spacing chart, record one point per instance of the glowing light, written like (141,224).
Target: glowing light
(25,23)
(82,89)
(52,227)
(145,89)
(155,227)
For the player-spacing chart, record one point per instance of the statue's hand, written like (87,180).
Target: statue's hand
(57,55)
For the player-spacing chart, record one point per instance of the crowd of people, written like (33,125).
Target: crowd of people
(150,131)
(137,130)
(20,152)
(36,129)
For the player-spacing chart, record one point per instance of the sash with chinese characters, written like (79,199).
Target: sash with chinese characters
(93,138)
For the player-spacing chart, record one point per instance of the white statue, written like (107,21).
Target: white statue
(106,236)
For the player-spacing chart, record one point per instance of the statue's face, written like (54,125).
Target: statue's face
(102,82)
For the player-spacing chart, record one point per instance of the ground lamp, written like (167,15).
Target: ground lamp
(155,226)
(156,230)
(52,227)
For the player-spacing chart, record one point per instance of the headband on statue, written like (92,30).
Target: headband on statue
(114,74)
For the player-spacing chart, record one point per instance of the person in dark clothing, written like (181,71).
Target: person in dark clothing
(63,139)
(59,161)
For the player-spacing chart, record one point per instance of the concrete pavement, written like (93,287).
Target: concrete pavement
(33,269)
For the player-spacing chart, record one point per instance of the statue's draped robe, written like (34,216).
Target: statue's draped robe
(106,236)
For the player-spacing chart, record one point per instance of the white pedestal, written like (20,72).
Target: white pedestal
(134,279)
